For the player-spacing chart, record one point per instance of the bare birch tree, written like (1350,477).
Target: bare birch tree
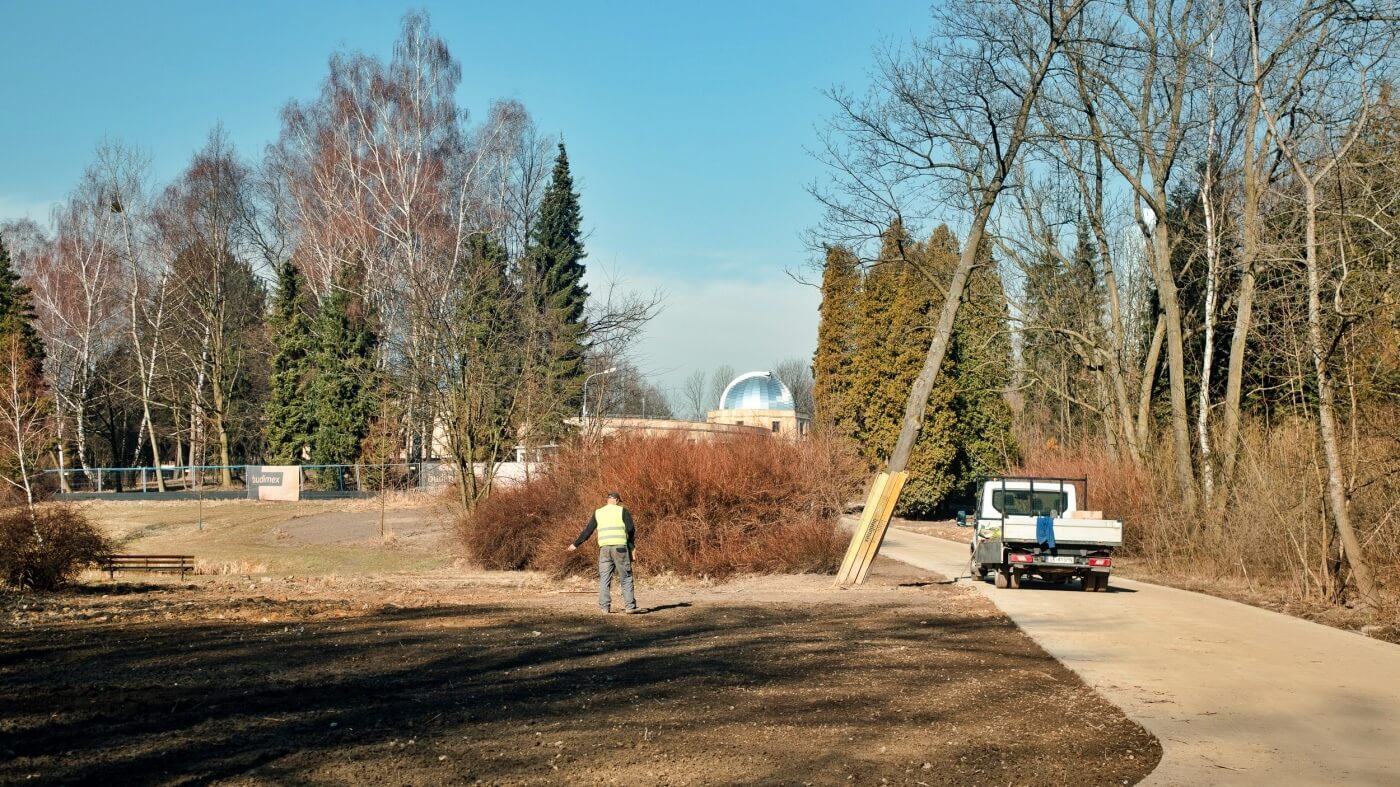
(1138,69)
(24,418)
(197,219)
(1332,62)
(123,172)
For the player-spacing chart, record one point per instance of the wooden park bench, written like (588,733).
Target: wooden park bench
(181,564)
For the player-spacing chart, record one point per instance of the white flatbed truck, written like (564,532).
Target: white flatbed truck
(1035,527)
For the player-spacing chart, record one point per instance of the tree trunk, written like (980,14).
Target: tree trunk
(1326,414)
(155,445)
(1244,304)
(1149,378)
(80,428)
(60,444)
(1176,365)
(216,389)
(1208,351)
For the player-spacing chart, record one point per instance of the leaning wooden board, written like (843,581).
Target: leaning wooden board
(870,532)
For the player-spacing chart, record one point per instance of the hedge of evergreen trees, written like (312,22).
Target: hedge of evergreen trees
(875,327)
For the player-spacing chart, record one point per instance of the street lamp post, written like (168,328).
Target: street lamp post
(583,415)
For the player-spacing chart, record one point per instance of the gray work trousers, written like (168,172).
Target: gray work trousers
(619,558)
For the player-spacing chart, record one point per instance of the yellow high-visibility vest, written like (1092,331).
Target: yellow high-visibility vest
(612,532)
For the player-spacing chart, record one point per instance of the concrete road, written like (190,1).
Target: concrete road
(1237,695)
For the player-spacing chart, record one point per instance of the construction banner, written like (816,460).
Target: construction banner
(274,482)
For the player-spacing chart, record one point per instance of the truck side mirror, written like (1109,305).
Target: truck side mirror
(962,519)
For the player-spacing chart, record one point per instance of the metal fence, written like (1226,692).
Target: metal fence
(316,480)
(343,479)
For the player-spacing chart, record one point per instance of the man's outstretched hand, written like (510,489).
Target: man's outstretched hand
(572,548)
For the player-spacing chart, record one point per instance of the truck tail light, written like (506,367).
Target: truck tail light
(1020,558)
(1100,562)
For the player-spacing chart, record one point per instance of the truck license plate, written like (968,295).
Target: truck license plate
(1059,559)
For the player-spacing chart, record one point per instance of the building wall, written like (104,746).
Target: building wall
(608,426)
(786,423)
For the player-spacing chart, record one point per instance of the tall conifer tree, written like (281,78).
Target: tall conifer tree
(21,361)
(345,391)
(966,427)
(982,362)
(289,417)
(874,355)
(486,364)
(1062,293)
(17,311)
(833,364)
(558,295)
(931,475)
(897,306)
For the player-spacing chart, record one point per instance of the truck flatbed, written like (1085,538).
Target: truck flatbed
(1007,541)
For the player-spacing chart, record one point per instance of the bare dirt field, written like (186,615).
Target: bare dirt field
(517,679)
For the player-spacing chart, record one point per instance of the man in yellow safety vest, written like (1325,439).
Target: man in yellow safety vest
(616,537)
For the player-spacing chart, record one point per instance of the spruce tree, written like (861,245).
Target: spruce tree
(344,393)
(981,369)
(21,361)
(833,363)
(288,416)
(555,270)
(1062,293)
(17,312)
(487,352)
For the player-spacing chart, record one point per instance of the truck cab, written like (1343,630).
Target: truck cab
(1036,527)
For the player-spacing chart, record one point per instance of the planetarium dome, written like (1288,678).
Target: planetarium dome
(756,391)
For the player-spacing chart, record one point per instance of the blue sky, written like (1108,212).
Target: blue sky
(688,125)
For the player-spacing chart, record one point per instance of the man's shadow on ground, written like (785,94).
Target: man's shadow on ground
(663,608)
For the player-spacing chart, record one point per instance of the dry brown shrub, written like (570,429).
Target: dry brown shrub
(1273,534)
(48,547)
(702,509)
(1118,488)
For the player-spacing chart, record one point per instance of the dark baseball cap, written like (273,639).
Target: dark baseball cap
(615,496)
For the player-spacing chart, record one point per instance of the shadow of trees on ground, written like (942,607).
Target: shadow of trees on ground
(779,693)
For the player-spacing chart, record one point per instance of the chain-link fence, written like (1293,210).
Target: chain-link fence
(228,481)
(343,479)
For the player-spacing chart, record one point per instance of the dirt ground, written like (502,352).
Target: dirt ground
(515,679)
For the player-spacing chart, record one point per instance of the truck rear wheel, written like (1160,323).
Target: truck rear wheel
(1102,585)
(1088,583)
(1015,580)
(1002,581)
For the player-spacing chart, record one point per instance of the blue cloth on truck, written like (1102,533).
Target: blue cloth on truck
(1045,531)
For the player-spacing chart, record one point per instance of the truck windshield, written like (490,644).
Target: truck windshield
(1023,502)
